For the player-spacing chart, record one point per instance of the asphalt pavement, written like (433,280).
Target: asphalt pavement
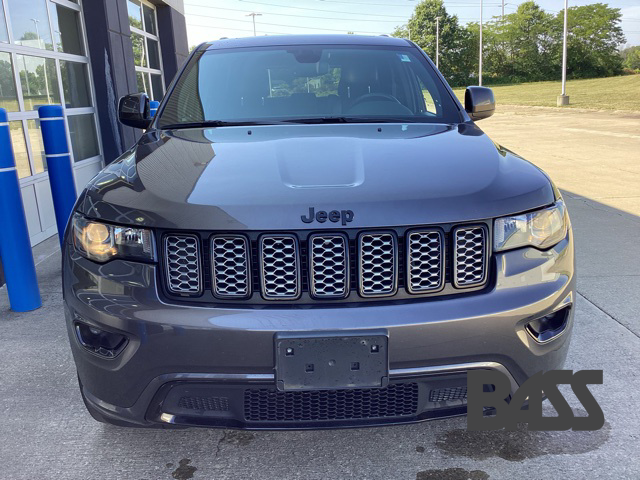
(46,433)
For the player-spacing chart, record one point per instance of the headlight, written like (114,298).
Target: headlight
(101,242)
(541,229)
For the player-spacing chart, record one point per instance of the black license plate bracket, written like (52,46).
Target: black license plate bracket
(331,360)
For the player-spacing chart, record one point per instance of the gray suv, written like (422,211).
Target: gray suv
(312,232)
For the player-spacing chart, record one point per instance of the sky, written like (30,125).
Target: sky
(212,19)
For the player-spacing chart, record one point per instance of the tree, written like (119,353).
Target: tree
(457,56)
(593,39)
(631,58)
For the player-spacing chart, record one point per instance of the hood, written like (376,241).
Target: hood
(268,178)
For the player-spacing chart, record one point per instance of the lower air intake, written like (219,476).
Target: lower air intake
(267,405)
(210,404)
(448,394)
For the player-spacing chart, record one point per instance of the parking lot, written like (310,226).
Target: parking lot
(594,157)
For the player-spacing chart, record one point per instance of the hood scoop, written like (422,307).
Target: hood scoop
(334,162)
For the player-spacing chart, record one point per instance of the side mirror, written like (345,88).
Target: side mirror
(134,110)
(479,102)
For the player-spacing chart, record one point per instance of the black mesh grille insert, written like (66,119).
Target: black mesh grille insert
(218,404)
(267,405)
(448,394)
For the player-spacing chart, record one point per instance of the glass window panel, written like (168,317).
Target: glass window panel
(154,54)
(39,81)
(19,149)
(139,52)
(37,147)
(143,82)
(4,37)
(149,19)
(30,24)
(8,94)
(156,87)
(135,17)
(66,29)
(84,141)
(75,84)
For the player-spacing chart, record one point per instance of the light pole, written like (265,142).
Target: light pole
(437,42)
(46,77)
(480,62)
(564,98)
(254,15)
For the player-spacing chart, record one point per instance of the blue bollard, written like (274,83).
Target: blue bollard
(56,149)
(153,107)
(15,247)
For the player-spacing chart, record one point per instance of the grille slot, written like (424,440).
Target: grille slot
(211,404)
(378,264)
(470,256)
(280,266)
(230,266)
(448,394)
(267,405)
(329,262)
(425,261)
(183,269)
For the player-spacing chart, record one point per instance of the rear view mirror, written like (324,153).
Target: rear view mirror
(479,102)
(134,110)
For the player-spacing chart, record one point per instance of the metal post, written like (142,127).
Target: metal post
(480,62)
(254,15)
(564,98)
(56,148)
(502,17)
(153,107)
(437,42)
(15,247)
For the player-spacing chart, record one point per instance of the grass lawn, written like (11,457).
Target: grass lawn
(612,93)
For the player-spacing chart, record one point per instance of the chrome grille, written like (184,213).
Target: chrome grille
(329,266)
(319,266)
(230,266)
(280,266)
(182,256)
(378,264)
(469,256)
(425,258)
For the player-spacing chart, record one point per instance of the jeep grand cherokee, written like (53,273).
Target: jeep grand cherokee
(312,232)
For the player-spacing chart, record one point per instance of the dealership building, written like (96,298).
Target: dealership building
(84,55)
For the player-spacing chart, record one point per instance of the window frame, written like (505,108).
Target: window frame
(24,115)
(147,71)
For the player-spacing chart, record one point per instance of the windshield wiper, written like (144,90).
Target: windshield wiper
(217,123)
(345,119)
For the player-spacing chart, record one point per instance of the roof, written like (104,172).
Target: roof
(285,40)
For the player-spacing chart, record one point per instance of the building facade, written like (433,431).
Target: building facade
(84,55)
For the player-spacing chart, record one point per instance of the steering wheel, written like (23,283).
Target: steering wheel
(373,97)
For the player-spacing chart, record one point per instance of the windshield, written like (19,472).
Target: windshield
(303,83)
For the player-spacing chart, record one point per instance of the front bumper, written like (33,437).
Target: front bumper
(177,351)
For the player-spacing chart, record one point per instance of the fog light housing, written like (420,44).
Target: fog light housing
(545,329)
(99,342)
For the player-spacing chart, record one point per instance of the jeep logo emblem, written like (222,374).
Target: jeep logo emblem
(333,216)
